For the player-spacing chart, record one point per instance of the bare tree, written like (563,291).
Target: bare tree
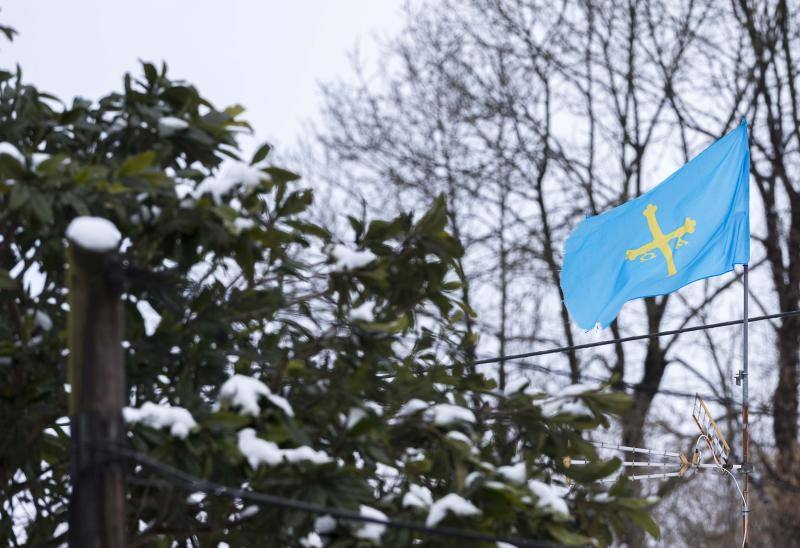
(530,115)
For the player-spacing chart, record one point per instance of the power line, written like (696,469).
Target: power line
(634,338)
(724,400)
(187,481)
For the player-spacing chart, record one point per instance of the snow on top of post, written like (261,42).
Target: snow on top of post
(94,233)
(179,421)
(455,504)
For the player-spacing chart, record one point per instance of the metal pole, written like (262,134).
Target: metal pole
(745,410)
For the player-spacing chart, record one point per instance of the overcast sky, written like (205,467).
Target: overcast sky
(268,55)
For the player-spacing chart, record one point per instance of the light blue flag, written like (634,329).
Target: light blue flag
(694,225)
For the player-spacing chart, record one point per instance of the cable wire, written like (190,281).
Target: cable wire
(631,386)
(189,482)
(729,323)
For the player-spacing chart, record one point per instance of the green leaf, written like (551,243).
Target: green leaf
(234,110)
(52,164)
(434,219)
(643,518)
(226,420)
(309,228)
(20,194)
(261,153)
(40,204)
(296,202)
(10,167)
(9,32)
(150,72)
(396,326)
(282,175)
(137,164)
(594,470)
(567,537)
(6,281)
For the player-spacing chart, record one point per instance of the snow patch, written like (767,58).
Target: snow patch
(417,497)
(179,421)
(42,320)
(151,318)
(471,478)
(553,407)
(94,233)
(459,436)
(547,497)
(355,416)
(452,503)
(195,498)
(232,175)
(516,385)
(515,473)
(169,125)
(351,259)
(11,150)
(412,406)
(244,392)
(241,224)
(364,313)
(325,524)
(572,390)
(311,540)
(258,451)
(371,531)
(248,511)
(38,157)
(445,414)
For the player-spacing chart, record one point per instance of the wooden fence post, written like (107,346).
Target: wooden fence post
(97,376)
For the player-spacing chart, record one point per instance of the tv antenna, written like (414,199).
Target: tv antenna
(676,464)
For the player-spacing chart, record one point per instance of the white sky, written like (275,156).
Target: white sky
(268,55)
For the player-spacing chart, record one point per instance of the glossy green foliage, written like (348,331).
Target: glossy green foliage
(246,283)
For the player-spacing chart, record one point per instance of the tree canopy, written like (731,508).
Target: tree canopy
(261,352)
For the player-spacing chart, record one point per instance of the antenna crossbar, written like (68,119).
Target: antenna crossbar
(641,450)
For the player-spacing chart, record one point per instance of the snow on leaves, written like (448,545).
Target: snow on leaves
(244,393)
(351,259)
(258,451)
(450,503)
(177,419)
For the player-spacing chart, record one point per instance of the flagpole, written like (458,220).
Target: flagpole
(745,410)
